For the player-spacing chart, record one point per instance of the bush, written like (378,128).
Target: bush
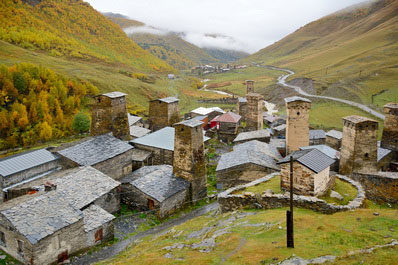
(81,123)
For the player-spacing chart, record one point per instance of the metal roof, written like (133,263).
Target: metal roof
(335,134)
(311,158)
(381,152)
(206,111)
(252,135)
(228,117)
(242,100)
(160,183)
(280,127)
(317,134)
(137,131)
(20,162)
(295,98)
(327,150)
(115,94)
(95,150)
(162,139)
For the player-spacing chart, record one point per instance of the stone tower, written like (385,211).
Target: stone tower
(163,112)
(109,114)
(359,145)
(249,86)
(189,156)
(254,113)
(297,123)
(389,139)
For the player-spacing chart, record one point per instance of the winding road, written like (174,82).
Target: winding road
(282,81)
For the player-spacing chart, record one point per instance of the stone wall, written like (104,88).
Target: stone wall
(249,200)
(30,173)
(118,166)
(110,202)
(390,131)
(254,116)
(241,174)
(359,147)
(382,187)
(297,125)
(242,109)
(162,114)
(159,156)
(107,232)
(333,142)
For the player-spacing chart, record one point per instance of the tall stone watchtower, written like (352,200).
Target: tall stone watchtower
(389,139)
(109,114)
(189,156)
(254,113)
(359,145)
(163,112)
(297,123)
(249,86)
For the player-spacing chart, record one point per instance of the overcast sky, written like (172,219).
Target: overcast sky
(247,25)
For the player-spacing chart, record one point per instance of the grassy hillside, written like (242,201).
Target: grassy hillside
(73,29)
(350,54)
(226,56)
(169,47)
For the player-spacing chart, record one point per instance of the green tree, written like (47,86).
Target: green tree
(81,123)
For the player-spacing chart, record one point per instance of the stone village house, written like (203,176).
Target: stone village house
(71,214)
(310,172)
(163,112)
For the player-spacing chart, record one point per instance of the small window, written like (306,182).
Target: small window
(2,239)
(20,247)
(298,113)
(366,155)
(182,129)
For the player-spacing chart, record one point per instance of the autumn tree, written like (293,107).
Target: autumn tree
(81,123)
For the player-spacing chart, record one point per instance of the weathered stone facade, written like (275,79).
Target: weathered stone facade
(254,115)
(305,181)
(390,130)
(249,86)
(241,174)
(333,142)
(297,123)
(163,113)
(359,145)
(242,108)
(109,114)
(232,202)
(159,156)
(189,156)
(381,187)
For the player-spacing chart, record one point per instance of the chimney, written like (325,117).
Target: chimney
(48,186)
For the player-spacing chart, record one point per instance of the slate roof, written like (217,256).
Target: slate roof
(84,185)
(317,134)
(358,119)
(254,152)
(137,131)
(327,150)
(295,98)
(160,183)
(190,123)
(311,158)
(391,105)
(335,134)
(206,111)
(278,143)
(252,135)
(96,150)
(242,100)
(20,162)
(95,217)
(280,127)
(168,99)
(115,94)
(162,139)
(133,119)
(140,155)
(269,118)
(42,216)
(228,117)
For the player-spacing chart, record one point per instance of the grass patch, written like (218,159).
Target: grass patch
(273,184)
(345,189)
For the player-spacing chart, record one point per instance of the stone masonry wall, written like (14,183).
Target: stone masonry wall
(254,116)
(118,166)
(297,125)
(162,114)
(159,156)
(390,130)
(333,142)
(379,188)
(249,200)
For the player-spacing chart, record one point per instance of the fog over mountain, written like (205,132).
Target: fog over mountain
(246,25)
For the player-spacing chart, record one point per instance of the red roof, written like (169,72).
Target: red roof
(228,117)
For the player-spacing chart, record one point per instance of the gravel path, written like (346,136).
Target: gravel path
(109,252)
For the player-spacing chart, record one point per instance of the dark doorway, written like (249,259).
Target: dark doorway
(151,204)
(63,256)
(99,235)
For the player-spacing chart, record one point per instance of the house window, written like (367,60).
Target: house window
(20,247)
(2,239)
(98,235)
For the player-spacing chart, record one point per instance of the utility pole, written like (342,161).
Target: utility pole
(289,214)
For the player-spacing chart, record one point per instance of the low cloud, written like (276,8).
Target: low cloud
(145,29)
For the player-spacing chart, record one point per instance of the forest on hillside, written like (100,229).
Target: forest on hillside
(38,105)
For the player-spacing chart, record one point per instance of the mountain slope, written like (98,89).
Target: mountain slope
(167,46)
(226,56)
(352,53)
(72,28)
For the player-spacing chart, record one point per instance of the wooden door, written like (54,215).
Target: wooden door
(151,204)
